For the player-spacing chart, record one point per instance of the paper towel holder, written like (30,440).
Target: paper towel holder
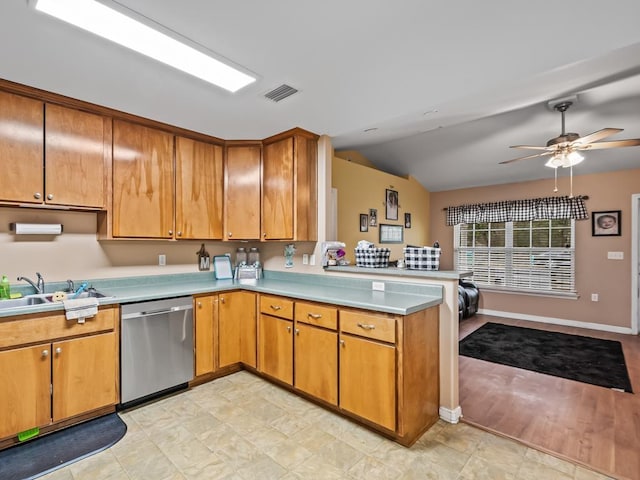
(36,228)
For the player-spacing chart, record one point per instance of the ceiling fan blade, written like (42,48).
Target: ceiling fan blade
(529,147)
(599,135)
(632,142)
(525,158)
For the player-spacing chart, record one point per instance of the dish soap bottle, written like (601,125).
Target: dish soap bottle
(5,289)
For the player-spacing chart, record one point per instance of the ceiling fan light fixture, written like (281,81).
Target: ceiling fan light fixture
(564,159)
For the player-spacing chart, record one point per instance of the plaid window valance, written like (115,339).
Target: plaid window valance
(548,208)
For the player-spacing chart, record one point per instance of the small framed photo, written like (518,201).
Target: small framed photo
(391,210)
(391,233)
(364,222)
(407,220)
(606,224)
(373,217)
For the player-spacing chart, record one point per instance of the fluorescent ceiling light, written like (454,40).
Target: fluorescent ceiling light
(128,32)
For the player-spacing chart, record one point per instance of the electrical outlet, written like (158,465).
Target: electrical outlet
(377,286)
(312,259)
(162,259)
(305,259)
(594,297)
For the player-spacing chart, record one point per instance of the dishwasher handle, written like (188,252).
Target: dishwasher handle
(150,313)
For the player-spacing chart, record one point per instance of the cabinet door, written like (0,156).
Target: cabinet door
(237,328)
(275,348)
(206,312)
(142,182)
(199,185)
(75,157)
(368,380)
(316,362)
(84,375)
(25,397)
(277,190)
(21,123)
(242,192)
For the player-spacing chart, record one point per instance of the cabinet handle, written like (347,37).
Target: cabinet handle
(58,351)
(37,196)
(275,307)
(170,232)
(221,299)
(297,331)
(288,329)
(366,326)
(45,353)
(199,304)
(50,196)
(342,343)
(315,316)
(264,234)
(229,234)
(179,233)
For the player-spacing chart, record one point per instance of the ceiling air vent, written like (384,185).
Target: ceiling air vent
(280,93)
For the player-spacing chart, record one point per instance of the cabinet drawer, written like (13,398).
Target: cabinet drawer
(276,306)
(25,329)
(315,314)
(369,325)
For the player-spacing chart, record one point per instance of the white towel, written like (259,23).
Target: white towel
(81,308)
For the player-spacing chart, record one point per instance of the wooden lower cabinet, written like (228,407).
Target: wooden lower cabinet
(276,348)
(25,382)
(316,362)
(237,328)
(52,381)
(84,377)
(368,380)
(205,320)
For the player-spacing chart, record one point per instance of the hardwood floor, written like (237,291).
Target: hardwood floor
(593,426)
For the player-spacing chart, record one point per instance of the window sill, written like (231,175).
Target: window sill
(539,293)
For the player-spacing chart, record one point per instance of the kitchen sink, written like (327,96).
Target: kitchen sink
(90,294)
(24,301)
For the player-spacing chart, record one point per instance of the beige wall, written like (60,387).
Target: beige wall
(610,279)
(361,188)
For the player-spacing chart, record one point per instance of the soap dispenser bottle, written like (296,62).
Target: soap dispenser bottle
(5,289)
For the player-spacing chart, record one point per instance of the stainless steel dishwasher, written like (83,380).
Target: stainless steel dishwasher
(156,348)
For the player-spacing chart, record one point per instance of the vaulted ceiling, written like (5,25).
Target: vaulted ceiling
(443,88)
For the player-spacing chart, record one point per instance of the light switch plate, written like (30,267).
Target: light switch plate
(615,255)
(305,259)
(377,286)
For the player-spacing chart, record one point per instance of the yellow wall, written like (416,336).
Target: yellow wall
(362,188)
(355,157)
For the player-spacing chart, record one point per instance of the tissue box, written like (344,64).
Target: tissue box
(372,257)
(422,258)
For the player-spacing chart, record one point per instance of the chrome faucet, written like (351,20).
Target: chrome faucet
(70,287)
(39,286)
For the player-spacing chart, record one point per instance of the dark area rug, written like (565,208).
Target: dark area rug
(585,359)
(45,454)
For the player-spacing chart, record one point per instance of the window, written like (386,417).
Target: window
(535,256)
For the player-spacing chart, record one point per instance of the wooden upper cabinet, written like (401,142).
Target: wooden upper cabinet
(21,160)
(289,186)
(277,190)
(242,192)
(143,183)
(199,188)
(76,147)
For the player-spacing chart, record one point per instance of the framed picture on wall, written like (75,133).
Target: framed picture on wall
(407,220)
(364,222)
(606,223)
(373,217)
(391,210)
(391,233)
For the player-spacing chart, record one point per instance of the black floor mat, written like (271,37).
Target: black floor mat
(45,454)
(585,359)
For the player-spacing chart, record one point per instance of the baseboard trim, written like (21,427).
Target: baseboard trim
(451,416)
(557,321)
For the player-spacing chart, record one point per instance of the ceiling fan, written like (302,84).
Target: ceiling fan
(565,148)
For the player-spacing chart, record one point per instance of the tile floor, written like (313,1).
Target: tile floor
(241,427)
